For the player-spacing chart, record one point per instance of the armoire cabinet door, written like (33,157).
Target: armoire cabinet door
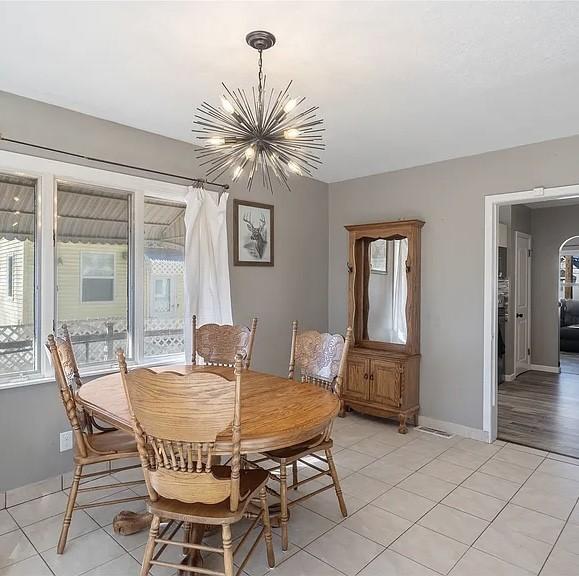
(357,379)
(385,383)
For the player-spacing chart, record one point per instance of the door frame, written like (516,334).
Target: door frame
(490,322)
(514,308)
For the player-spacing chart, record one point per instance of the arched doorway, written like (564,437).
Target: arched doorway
(569,305)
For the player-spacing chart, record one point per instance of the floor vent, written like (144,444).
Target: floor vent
(435,432)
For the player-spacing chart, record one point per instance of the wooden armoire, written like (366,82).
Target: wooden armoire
(383,369)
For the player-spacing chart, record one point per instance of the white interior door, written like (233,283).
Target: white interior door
(522,308)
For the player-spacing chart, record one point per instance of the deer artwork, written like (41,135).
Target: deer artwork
(258,234)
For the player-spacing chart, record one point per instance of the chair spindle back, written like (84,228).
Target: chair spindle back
(64,364)
(177,419)
(321,357)
(219,344)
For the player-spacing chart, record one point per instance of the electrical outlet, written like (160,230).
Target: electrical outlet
(66,441)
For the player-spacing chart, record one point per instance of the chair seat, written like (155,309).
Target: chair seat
(250,482)
(299,450)
(107,446)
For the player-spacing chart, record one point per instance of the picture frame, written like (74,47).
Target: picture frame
(253,233)
(379,256)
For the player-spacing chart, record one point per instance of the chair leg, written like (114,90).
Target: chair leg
(336,482)
(69,509)
(150,547)
(295,474)
(187,527)
(283,499)
(227,550)
(267,527)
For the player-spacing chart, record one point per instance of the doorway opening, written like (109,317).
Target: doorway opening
(537,323)
(569,306)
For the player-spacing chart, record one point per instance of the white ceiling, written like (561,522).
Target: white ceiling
(399,83)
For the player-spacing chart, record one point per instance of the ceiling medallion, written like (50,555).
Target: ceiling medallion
(264,134)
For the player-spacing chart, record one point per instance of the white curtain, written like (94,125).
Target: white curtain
(207,289)
(399,291)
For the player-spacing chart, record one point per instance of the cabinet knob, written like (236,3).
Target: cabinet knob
(371,376)
(366,376)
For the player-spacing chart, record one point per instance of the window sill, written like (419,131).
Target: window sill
(94,373)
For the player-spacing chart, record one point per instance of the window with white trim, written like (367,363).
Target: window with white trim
(164,277)
(99,251)
(93,270)
(18,266)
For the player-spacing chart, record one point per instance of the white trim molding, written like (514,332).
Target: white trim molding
(48,174)
(543,368)
(452,428)
(490,321)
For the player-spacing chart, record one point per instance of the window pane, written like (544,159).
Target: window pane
(92,262)
(18,345)
(164,286)
(95,265)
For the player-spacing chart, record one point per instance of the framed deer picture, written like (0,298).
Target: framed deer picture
(252,233)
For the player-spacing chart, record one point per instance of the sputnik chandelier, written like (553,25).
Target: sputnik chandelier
(264,134)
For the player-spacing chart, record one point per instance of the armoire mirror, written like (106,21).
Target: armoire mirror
(384,268)
(385,290)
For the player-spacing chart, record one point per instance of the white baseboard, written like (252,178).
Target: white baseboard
(510,377)
(452,428)
(542,368)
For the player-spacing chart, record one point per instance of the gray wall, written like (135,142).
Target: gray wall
(449,196)
(550,227)
(295,288)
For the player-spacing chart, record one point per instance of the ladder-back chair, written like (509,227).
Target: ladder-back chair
(89,447)
(219,344)
(177,419)
(321,360)
(73,375)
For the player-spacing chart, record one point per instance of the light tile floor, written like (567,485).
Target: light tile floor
(419,505)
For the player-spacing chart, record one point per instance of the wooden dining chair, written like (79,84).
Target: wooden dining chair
(177,420)
(218,344)
(320,360)
(73,376)
(89,447)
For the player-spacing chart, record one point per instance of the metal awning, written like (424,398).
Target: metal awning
(86,214)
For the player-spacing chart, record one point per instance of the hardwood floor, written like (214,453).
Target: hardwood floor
(569,362)
(541,410)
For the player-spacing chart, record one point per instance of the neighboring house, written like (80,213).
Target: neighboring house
(91,269)
(16,282)
(92,281)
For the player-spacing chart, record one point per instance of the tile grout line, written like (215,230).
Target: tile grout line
(397,485)
(531,510)
(558,537)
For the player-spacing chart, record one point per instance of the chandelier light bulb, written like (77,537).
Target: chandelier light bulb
(263,133)
(290,105)
(227,105)
(291,133)
(216,141)
(237,173)
(294,167)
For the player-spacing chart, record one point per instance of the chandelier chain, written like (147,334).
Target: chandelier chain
(260,74)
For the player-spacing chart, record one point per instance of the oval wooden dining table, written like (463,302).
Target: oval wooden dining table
(275,412)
